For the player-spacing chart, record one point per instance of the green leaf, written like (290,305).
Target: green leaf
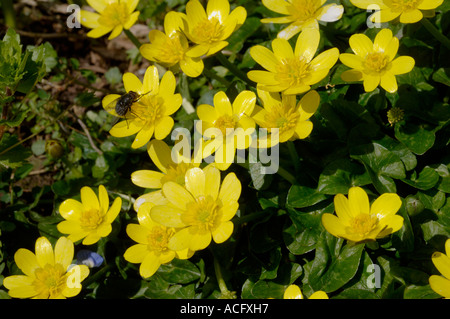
(341,270)
(237,39)
(416,138)
(427,179)
(179,271)
(441,76)
(420,292)
(302,196)
(14,157)
(340,175)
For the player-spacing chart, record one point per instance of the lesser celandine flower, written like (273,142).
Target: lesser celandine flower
(203,208)
(89,219)
(408,11)
(301,14)
(292,71)
(151,115)
(374,63)
(46,273)
(151,250)
(294,292)
(169,48)
(284,113)
(113,16)
(441,284)
(227,126)
(209,29)
(172,166)
(358,221)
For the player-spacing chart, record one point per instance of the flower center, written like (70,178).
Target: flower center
(282,117)
(375,62)
(149,109)
(203,213)
(224,122)
(208,31)
(115,14)
(172,51)
(292,71)
(175,173)
(403,5)
(159,237)
(91,218)
(302,10)
(362,224)
(51,279)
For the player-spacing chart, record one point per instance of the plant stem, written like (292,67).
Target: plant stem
(9,13)
(286,175)
(247,218)
(210,74)
(132,37)
(233,69)
(222,285)
(435,32)
(294,156)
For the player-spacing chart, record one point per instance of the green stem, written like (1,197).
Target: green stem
(9,13)
(133,39)
(286,175)
(222,285)
(435,32)
(248,218)
(210,74)
(97,275)
(294,156)
(233,69)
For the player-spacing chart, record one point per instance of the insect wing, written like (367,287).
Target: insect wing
(109,103)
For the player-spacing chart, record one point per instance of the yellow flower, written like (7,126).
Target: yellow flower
(409,11)
(374,63)
(292,72)
(203,208)
(47,273)
(285,114)
(440,284)
(294,292)
(89,219)
(169,48)
(209,29)
(151,250)
(357,221)
(151,114)
(301,14)
(113,15)
(227,126)
(172,166)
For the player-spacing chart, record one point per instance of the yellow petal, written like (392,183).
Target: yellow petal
(143,136)
(279,6)
(389,82)
(308,105)
(264,57)
(351,60)
(181,239)
(116,31)
(212,181)
(164,127)
(342,208)
(293,292)
(385,205)
(103,198)
(401,65)
(319,295)
(89,19)
(147,178)
(167,85)
(392,48)
(206,113)
(195,12)
(173,21)
(384,15)
(371,82)
(361,44)
(132,83)
(307,43)
(442,263)
(138,233)
(222,232)
(195,182)
(264,77)
(20,286)
(228,211)
(447,248)
(303,129)
(222,104)
(382,40)
(390,224)
(44,252)
(126,128)
(244,103)
(230,191)
(440,285)
(192,67)
(282,49)
(149,265)
(136,253)
(364,4)
(64,250)
(131,5)
(291,30)
(412,16)
(239,14)
(161,154)
(131,20)
(325,60)
(333,225)
(71,209)
(97,5)
(113,211)
(352,76)
(358,201)
(219,9)
(429,4)
(26,261)
(151,81)
(330,13)
(177,194)
(200,240)
(89,199)
(99,31)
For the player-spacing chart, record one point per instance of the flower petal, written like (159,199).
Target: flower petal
(330,13)
(64,250)
(71,209)
(371,82)
(279,6)
(282,49)
(177,194)
(358,201)
(361,44)
(132,83)
(44,252)
(149,265)
(164,127)
(264,57)
(89,199)
(143,136)
(222,104)
(195,182)
(429,4)
(442,263)
(401,65)
(136,253)
(26,261)
(352,76)
(351,60)
(147,178)
(385,205)
(412,16)
(333,225)
(222,232)
(440,285)
(389,82)
(230,191)
(89,19)
(307,44)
